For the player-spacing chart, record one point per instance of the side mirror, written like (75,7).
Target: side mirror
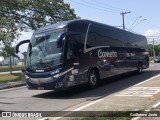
(20,43)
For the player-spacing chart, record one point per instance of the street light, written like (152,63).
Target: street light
(137,24)
(135,21)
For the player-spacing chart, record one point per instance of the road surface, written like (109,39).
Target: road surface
(22,99)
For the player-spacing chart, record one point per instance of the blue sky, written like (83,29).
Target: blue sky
(108,12)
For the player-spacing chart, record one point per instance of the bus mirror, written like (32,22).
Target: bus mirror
(20,43)
(30,49)
(60,39)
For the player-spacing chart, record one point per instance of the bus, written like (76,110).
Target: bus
(75,52)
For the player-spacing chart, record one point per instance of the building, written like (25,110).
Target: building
(7,61)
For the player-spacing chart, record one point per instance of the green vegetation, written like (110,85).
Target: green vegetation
(24,15)
(14,66)
(11,77)
(121,115)
(151,59)
(104,118)
(156,49)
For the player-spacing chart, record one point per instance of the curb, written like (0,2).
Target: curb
(12,85)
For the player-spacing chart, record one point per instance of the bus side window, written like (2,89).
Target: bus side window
(74,46)
(71,47)
(70,50)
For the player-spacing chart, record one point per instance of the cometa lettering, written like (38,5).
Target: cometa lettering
(102,54)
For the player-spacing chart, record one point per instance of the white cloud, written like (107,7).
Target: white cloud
(152,32)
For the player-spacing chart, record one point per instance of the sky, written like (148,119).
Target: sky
(108,12)
(144,17)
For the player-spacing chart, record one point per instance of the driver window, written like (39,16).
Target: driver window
(74,46)
(71,49)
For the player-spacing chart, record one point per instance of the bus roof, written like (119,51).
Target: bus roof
(69,22)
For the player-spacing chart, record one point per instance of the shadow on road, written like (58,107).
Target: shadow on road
(106,87)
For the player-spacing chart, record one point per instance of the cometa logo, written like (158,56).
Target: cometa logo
(102,54)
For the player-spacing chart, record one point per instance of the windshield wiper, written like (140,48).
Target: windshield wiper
(42,62)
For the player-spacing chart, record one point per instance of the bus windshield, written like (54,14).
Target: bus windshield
(43,52)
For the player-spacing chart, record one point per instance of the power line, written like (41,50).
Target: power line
(108,8)
(94,3)
(94,6)
(147,22)
(135,21)
(104,4)
(137,24)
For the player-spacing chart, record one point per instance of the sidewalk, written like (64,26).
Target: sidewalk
(12,84)
(144,96)
(19,71)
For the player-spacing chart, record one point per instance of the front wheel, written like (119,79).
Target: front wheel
(92,79)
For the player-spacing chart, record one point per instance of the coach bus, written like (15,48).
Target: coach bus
(77,52)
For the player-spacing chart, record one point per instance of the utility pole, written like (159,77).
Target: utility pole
(123,13)
(153,50)
(153,38)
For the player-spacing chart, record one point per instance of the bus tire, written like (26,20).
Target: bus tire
(139,68)
(92,79)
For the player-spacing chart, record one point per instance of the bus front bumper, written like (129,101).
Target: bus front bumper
(40,84)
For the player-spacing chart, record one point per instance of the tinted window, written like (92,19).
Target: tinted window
(74,45)
(102,36)
(78,27)
(81,28)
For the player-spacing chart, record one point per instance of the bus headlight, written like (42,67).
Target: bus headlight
(26,77)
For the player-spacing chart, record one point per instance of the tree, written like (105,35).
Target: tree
(157,50)
(150,49)
(7,52)
(24,15)
(32,14)
(8,31)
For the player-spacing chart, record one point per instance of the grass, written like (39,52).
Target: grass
(104,118)
(110,116)
(11,77)
(13,66)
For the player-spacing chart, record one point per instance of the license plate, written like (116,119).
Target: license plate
(40,88)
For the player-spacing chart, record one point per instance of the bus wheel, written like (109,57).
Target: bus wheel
(92,79)
(139,68)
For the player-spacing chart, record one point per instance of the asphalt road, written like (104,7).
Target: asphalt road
(22,99)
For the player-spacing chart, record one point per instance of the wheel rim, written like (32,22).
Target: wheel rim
(93,79)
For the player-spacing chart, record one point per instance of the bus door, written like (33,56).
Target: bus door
(73,50)
(73,59)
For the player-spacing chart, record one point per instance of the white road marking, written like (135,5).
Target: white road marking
(148,80)
(135,118)
(140,91)
(43,118)
(157,104)
(82,107)
(77,109)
